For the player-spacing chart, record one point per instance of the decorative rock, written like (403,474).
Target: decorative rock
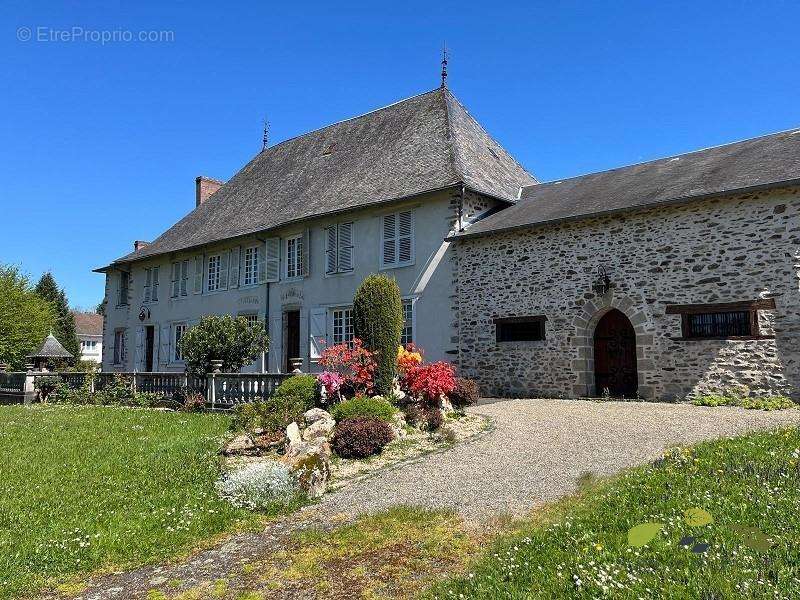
(320,428)
(315,414)
(240,445)
(311,463)
(445,404)
(293,434)
(398,425)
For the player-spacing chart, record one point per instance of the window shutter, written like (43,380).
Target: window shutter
(184,268)
(173,277)
(234,279)
(224,259)
(272,259)
(389,233)
(330,249)
(345,246)
(163,345)
(405,246)
(148,281)
(198,274)
(305,254)
(317,332)
(138,356)
(154,293)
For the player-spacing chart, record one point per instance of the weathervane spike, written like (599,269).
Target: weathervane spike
(444,65)
(265,139)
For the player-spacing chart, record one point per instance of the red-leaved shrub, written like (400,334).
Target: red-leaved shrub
(429,381)
(466,393)
(353,362)
(360,437)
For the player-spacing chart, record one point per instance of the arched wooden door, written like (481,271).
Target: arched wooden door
(615,356)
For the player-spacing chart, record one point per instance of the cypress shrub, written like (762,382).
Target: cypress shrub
(378,322)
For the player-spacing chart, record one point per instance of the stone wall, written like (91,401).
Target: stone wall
(738,248)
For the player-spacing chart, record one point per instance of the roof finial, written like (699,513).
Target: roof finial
(444,65)
(265,139)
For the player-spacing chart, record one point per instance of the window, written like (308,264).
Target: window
(151,284)
(342,325)
(119,346)
(520,329)
(252,318)
(722,320)
(397,239)
(339,248)
(214,273)
(179,279)
(179,329)
(407,337)
(251,265)
(124,284)
(294,257)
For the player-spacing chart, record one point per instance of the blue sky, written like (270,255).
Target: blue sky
(100,142)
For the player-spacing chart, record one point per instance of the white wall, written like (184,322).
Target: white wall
(428,282)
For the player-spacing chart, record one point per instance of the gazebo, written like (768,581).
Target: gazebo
(50,349)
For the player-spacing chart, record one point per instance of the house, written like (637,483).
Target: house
(661,280)
(666,279)
(290,237)
(89,327)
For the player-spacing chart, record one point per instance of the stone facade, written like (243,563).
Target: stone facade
(737,248)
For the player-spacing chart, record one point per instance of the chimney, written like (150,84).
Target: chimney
(204,187)
(139,244)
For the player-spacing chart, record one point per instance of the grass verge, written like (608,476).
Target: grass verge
(86,487)
(727,527)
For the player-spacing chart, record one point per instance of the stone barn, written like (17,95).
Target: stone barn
(660,280)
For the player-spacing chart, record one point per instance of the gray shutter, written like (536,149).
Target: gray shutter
(405,239)
(148,273)
(173,278)
(317,330)
(163,345)
(272,259)
(389,240)
(138,355)
(184,273)
(154,293)
(345,246)
(305,253)
(330,249)
(224,259)
(198,274)
(234,271)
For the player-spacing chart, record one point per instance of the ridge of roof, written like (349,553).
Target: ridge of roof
(763,162)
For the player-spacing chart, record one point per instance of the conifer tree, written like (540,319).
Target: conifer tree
(64,328)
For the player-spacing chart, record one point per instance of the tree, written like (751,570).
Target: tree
(378,322)
(25,318)
(64,327)
(234,341)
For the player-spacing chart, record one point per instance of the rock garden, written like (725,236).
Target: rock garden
(375,404)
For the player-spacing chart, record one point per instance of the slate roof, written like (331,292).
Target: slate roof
(51,348)
(421,144)
(752,164)
(88,323)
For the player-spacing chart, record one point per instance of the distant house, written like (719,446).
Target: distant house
(89,327)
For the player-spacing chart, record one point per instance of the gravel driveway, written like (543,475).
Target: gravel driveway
(539,448)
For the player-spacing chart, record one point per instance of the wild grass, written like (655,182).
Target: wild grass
(87,487)
(756,403)
(579,548)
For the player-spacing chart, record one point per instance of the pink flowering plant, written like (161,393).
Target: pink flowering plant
(332,383)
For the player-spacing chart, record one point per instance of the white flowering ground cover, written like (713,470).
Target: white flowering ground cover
(724,518)
(85,487)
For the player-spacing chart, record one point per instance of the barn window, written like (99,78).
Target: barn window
(720,321)
(520,329)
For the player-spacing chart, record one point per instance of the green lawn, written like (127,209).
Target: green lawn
(579,548)
(88,487)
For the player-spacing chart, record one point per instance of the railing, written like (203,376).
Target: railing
(229,389)
(222,390)
(12,382)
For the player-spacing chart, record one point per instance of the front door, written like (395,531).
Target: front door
(615,356)
(292,338)
(149,339)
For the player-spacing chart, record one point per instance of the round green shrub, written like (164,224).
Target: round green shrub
(292,398)
(302,388)
(362,406)
(378,322)
(361,437)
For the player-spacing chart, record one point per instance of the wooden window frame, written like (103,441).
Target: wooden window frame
(500,321)
(749,306)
